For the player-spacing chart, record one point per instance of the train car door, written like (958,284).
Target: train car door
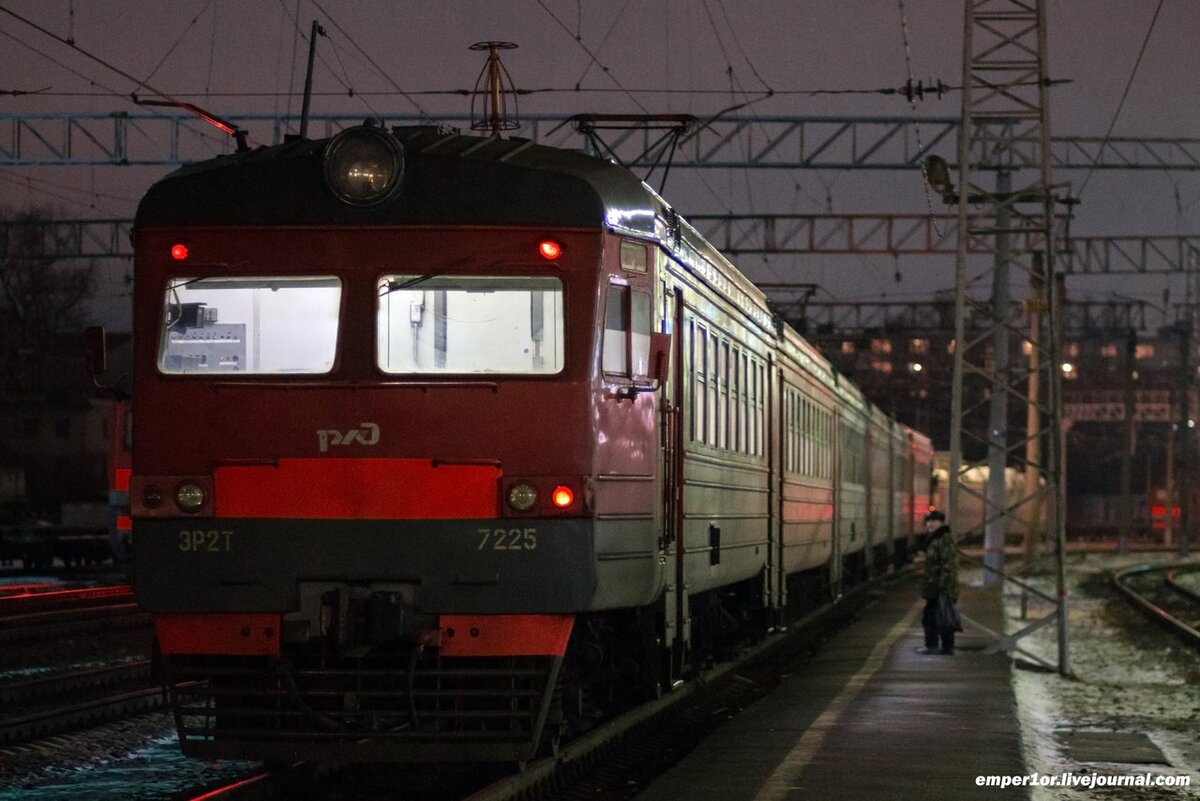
(835,555)
(776,570)
(671,427)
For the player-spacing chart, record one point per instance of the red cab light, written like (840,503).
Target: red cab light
(179,252)
(549,250)
(562,497)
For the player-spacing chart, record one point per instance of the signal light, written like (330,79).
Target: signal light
(562,497)
(549,250)
(179,252)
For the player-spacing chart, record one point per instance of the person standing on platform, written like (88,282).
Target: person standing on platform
(939,587)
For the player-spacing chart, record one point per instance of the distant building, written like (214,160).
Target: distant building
(54,427)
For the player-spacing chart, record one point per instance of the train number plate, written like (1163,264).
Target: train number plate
(205,541)
(507,539)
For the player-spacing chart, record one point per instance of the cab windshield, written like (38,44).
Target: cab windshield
(470,324)
(250,325)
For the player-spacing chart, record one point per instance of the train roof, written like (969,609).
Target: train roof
(449,179)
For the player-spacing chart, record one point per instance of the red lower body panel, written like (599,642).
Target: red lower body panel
(233,634)
(357,489)
(505,635)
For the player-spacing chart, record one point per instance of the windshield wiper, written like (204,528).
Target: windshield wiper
(396,287)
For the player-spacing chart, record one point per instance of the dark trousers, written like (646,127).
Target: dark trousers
(929,622)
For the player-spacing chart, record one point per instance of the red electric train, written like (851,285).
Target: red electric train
(445,444)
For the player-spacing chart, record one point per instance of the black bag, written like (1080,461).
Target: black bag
(947,614)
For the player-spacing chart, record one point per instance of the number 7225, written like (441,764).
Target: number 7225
(507,539)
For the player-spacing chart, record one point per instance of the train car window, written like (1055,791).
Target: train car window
(789,399)
(640,332)
(745,427)
(277,324)
(470,324)
(723,397)
(735,399)
(755,373)
(714,389)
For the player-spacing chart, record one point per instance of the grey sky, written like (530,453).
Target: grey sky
(211,47)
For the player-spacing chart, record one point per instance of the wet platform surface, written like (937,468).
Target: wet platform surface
(868,718)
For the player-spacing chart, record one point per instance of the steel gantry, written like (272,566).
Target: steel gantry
(1005,192)
(925,234)
(735,142)
(759,235)
(860,319)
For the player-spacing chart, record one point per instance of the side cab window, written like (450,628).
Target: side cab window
(626,332)
(628,317)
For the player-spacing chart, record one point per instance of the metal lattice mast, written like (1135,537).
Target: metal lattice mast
(1006,195)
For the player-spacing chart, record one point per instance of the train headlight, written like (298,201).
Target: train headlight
(190,497)
(152,497)
(363,165)
(522,496)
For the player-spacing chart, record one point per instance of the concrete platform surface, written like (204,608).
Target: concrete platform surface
(869,719)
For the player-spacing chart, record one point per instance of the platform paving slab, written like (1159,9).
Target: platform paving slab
(869,719)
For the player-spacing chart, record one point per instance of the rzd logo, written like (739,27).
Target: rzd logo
(365,434)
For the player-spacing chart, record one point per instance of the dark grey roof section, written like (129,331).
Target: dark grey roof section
(448,179)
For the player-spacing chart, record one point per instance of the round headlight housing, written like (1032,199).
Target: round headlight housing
(522,496)
(189,496)
(364,165)
(152,497)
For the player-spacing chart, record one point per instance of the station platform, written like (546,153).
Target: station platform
(870,719)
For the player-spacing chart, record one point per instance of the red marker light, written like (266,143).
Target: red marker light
(562,497)
(549,250)
(179,252)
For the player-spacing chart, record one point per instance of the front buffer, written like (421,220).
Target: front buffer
(364,640)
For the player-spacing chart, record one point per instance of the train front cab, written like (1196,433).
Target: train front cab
(358,543)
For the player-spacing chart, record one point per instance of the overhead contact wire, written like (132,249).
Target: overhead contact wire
(593,57)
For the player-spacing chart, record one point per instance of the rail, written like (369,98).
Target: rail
(1158,614)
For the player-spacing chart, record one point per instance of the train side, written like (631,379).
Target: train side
(432,464)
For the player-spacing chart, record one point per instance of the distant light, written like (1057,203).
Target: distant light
(1068,368)
(562,497)
(549,250)
(179,252)
(917,367)
(1191,423)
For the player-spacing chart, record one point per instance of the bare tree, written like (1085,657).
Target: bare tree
(42,294)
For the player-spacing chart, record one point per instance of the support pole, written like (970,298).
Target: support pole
(1183,464)
(312,53)
(1033,421)
(1125,512)
(995,517)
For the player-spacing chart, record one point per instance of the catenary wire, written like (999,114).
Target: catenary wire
(592,56)
(1121,103)
(382,73)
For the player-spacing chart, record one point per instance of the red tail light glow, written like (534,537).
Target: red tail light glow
(562,497)
(179,252)
(549,250)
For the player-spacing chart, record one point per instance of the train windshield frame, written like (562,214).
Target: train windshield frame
(250,325)
(470,324)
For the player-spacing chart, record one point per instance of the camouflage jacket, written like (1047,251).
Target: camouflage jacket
(941,565)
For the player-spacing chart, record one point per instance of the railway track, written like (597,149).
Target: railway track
(51,614)
(623,753)
(1158,593)
(41,708)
